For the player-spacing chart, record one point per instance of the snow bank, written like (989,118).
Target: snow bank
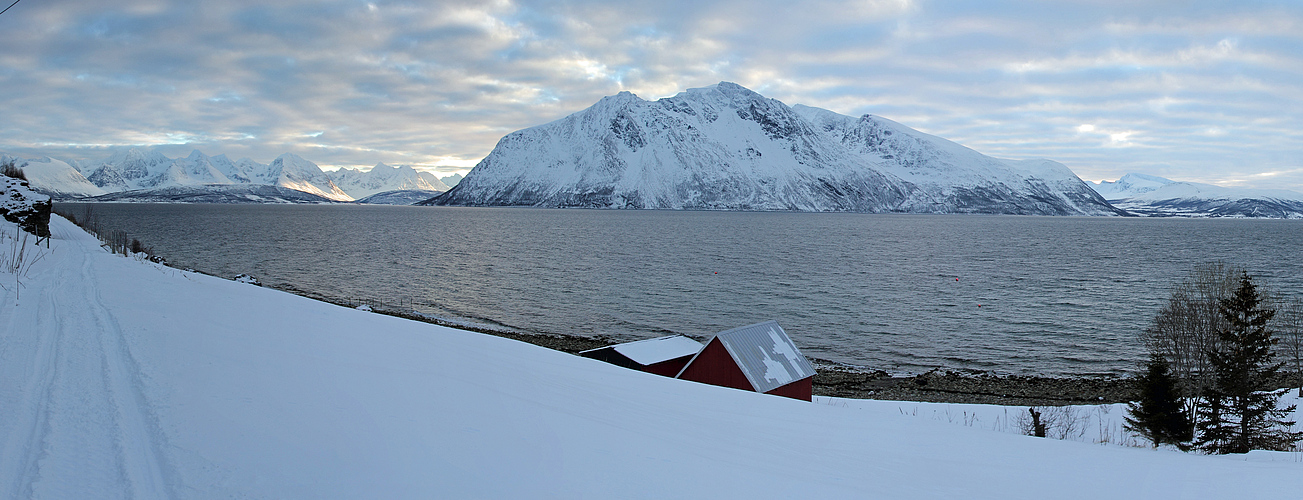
(121,378)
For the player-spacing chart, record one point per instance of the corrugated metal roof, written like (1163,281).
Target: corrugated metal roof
(646,352)
(766,355)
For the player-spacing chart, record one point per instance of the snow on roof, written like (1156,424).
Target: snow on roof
(766,355)
(649,351)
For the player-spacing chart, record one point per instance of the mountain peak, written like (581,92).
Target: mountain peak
(726,147)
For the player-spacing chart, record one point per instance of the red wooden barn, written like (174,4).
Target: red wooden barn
(662,356)
(758,357)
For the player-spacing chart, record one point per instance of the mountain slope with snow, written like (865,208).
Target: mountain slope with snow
(728,148)
(148,175)
(54,177)
(1156,196)
(398,197)
(1130,185)
(292,171)
(163,392)
(214,193)
(383,178)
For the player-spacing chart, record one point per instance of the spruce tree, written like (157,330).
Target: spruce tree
(1240,413)
(1158,415)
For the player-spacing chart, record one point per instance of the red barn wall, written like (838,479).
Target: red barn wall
(669,367)
(801,389)
(715,366)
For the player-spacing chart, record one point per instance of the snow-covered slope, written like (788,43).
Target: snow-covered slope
(1130,185)
(292,171)
(54,177)
(382,178)
(954,178)
(399,197)
(121,378)
(726,147)
(1156,196)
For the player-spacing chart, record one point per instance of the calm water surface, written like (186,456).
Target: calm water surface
(904,293)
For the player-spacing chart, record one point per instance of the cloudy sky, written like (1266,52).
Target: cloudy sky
(1199,91)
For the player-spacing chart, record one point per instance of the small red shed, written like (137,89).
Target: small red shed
(662,356)
(758,357)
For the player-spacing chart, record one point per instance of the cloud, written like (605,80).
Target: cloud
(1205,90)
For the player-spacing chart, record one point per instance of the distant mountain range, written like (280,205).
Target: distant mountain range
(1156,196)
(136,175)
(725,147)
(721,147)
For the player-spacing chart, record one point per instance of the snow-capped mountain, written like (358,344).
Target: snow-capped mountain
(1130,185)
(130,169)
(215,193)
(383,178)
(1192,199)
(726,147)
(451,180)
(152,176)
(292,171)
(54,177)
(136,169)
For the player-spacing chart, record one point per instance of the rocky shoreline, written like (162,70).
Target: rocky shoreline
(980,388)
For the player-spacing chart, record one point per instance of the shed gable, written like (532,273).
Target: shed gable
(766,355)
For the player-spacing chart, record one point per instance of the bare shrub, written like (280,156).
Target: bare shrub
(1290,327)
(15,259)
(8,169)
(1057,422)
(1186,328)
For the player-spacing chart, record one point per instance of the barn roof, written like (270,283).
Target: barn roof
(766,355)
(650,351)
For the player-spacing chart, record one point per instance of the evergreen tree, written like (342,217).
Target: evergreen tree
(1240,413)
(1158,415)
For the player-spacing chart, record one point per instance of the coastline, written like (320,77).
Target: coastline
(935,386)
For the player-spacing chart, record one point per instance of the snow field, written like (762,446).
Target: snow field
(126,379)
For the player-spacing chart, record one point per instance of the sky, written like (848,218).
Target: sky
(1193,91)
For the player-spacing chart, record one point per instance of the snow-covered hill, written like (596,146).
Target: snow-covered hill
(1156,196)
(726,147)
(382,178)
(123,378)
(54,177)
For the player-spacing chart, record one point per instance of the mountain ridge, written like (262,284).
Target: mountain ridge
(1155,196)
(725,147)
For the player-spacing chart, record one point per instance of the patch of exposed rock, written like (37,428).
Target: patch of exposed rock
(22,205)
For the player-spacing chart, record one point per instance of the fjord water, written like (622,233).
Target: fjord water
(903,293)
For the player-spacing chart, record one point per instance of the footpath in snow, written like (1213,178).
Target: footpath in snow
(126,379)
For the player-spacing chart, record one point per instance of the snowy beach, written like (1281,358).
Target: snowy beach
(121,378)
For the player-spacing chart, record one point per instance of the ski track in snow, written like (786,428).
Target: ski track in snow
(82,402)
